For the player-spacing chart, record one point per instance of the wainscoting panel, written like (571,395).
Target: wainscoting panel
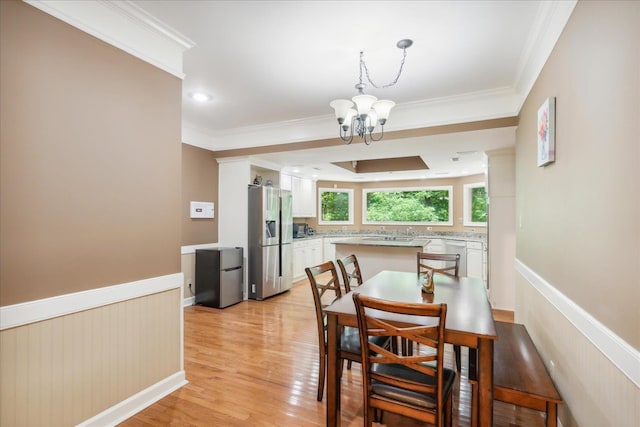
(596,389)
(65,370)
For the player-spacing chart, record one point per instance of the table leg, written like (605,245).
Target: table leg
(333,369)
(552,414)
(485,382)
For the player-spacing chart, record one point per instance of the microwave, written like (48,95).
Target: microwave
(300,229)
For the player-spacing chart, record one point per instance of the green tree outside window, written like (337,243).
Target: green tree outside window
(424,205)
(479,204)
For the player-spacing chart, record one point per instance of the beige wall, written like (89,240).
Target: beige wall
(63,371)
(577,219)
(90,161)
(90,187)
(200,184)
(457,183)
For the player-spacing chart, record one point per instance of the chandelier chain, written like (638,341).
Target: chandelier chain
(366,70)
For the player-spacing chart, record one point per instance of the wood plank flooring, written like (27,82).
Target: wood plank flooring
(256,364)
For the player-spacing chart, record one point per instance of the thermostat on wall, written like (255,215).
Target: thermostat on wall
(201,210)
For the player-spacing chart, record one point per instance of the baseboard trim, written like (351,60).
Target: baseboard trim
(618,351)
(186,302)
(21,314)
(139,401)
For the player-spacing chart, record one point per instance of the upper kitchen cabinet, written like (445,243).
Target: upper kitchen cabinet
(285,181)
(303,191)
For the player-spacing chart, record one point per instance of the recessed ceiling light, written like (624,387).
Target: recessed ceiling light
(296,170)
(200,96)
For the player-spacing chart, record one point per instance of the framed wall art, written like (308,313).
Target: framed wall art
(547,132)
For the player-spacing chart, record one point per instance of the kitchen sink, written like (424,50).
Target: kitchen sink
(389,239)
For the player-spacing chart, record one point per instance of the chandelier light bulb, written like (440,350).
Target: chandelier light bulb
(341,106)
(383,107)
(372,120)
(364,103)
(351,113)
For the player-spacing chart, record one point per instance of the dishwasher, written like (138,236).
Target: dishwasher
(458,247)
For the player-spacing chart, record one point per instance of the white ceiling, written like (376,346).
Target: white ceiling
(272,67)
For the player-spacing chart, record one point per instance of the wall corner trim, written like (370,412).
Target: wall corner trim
(21,314)
(618,351)
(126,26)
(139,401)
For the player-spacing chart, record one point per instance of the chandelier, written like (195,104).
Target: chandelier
(369,111)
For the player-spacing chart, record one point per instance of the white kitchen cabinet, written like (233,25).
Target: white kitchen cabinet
(306,253)
(474,259)
(285,181)
(477,260)
(435,246)
(303,192)
(329,250)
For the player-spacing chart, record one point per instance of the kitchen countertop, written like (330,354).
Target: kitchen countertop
(394,241)
(467,237)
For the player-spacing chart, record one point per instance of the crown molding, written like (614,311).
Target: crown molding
(125,26)
(549,24)
(471,107)
(485,105)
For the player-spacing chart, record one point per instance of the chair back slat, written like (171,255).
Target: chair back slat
(426,262)
(350,270)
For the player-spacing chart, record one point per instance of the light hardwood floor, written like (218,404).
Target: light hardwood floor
(256,364)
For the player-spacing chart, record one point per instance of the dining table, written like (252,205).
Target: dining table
(469,323)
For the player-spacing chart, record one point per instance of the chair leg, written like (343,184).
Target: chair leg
(349,364)
(474,403)
(394,345)
(368,415)
(323,369)
(448,413)
(407,347)
(457,351)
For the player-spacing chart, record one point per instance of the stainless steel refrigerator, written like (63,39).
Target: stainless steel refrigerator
(270,245)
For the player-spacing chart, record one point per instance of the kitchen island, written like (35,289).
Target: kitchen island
(376,254)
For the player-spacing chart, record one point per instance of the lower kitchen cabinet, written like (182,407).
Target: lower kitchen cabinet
(329,251)
(435,246)
(306,253)
(476,260)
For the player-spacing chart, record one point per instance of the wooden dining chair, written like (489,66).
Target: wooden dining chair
(445,264)
(417,385)
(352,278)
(325,285)
(350,270)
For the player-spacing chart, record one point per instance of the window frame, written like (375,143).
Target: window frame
(365,191)
(467,205)
(349,191)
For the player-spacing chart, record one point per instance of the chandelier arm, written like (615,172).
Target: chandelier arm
(366,70)
(381,134)
(345,139)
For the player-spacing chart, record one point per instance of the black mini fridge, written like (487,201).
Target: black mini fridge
(219,276)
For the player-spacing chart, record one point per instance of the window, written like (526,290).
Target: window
(475,204)
(420,205)
(336,206)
